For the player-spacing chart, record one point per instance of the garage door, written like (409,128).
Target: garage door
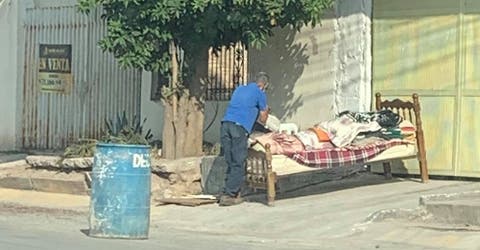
(431,47)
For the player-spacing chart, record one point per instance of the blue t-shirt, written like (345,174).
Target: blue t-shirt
(246,102)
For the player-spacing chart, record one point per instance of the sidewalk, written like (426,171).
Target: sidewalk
(336,217)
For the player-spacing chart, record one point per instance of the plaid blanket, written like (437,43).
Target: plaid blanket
(338,157)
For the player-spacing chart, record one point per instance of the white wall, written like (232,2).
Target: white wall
(9,71)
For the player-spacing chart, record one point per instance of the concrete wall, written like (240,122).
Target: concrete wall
(214,112)
(152,110)
(9,72)
(301,68)
(320,72)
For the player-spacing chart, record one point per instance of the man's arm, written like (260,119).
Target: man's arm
(263,116)
(264,109)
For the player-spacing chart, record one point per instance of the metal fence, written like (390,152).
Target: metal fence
(226,69)
(100,88)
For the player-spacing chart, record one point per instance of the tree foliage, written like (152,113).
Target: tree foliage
(141,31)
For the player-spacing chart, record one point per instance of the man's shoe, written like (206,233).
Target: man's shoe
(227,200)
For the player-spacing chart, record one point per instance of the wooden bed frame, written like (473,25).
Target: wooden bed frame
(260,174)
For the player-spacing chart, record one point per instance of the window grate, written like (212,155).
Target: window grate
(227,68)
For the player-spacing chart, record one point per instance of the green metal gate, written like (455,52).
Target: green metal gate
(432,47)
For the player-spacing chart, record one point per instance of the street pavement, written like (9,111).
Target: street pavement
(340,215)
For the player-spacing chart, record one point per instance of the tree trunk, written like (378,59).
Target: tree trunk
(184,115)
(183,134)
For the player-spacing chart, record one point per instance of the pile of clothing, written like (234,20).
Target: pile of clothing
(346,129)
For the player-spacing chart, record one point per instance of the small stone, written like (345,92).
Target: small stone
(173,178)
(44,161)
(78,163)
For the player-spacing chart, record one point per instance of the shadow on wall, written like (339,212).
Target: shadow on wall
(284,60)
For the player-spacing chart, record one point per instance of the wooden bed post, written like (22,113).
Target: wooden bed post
(271,176)
(378,101)
(422,155)
(387,170)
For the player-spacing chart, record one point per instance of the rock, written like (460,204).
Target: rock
(159,186)
(173,178)
(176,166)
(78,163)
(191,175)
(44,161)
(186,169)
(213,174)
(177,190)
(177,177)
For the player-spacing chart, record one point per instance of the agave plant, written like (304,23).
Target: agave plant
(123,131)
(81,148)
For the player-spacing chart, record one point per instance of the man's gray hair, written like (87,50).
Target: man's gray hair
(262,77)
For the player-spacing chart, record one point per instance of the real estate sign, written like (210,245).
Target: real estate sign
(55,68)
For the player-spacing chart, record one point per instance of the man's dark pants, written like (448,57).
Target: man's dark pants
(234,139)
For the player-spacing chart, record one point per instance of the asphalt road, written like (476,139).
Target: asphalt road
(52,231)
(332,220)
(56,231)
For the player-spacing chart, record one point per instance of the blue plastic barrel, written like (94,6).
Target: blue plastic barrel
(120,197)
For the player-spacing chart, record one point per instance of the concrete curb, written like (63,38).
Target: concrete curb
(456,208)
(19,175)
(16,183)
(45,185)
(424,199)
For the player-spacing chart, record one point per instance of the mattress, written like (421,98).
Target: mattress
(284,165)
(395,152)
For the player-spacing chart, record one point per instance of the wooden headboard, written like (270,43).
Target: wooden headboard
(409,110)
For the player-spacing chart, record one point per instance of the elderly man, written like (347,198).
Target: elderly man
(248,103)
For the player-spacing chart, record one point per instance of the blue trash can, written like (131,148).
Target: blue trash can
(120,197)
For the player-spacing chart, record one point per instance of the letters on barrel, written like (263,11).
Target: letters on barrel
(141,161)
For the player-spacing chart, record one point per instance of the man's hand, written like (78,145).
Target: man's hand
(264,115)
(268,109)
